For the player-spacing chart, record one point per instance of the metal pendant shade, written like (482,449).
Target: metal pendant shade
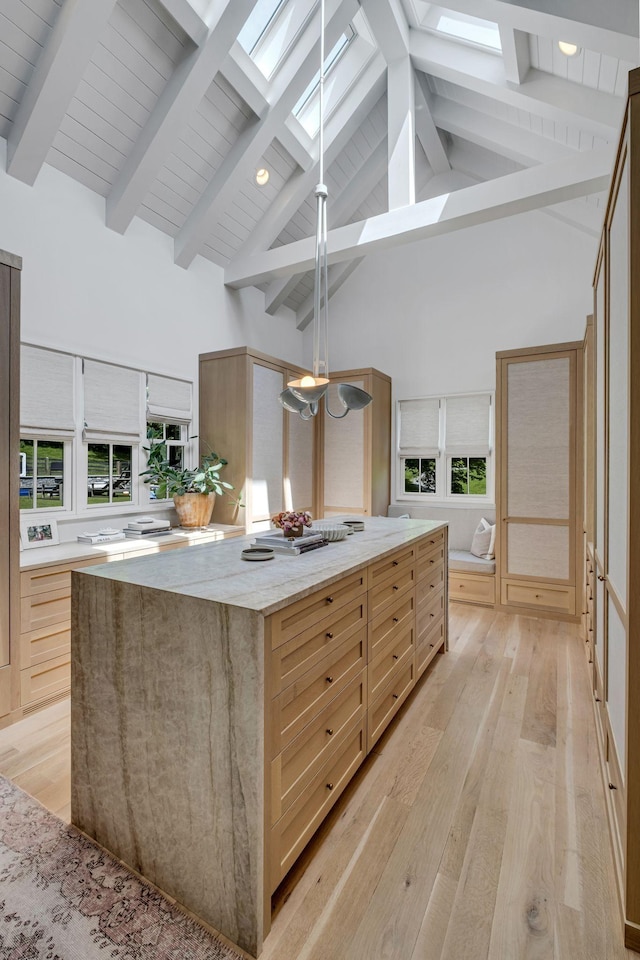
(303,395)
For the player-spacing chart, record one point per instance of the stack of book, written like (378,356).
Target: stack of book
(293,546)
(102,536)
(147,527)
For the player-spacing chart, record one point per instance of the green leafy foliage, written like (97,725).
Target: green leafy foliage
(169,481)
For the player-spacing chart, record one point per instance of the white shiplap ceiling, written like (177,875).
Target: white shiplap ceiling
(154,105)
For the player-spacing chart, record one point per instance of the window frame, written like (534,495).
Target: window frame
(66,506)
(443,458)
(110,504)
(184,443)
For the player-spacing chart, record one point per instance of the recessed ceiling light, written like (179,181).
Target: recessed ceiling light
(262,176)
(569,49)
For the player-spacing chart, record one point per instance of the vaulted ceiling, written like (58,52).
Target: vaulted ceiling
(438,117)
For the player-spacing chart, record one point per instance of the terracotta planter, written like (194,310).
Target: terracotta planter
(194,509)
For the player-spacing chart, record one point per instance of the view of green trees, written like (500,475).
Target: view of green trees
(468,475)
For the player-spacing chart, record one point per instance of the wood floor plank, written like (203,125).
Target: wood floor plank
(477,830)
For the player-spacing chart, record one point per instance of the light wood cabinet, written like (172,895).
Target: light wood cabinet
(271,453)
(342,664)
(612,510)
(355,473)
(539,479)
(10,267)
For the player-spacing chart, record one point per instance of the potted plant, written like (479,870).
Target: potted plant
(292,522)
(193,491)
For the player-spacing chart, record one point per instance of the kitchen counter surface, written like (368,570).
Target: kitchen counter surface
(217,571)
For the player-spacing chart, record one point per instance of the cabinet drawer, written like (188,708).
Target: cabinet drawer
(429,613)
(385,707)
(305,613)
(45,644)
(293,658)
(430,561)
(389,660)
(428,645)
(391,622)
(299,823)
(43,681)
(472,589)
(385,594)
(306,697)
(296,766)
(45,579)
(391,566)
(426,546)
(45,609)
(429,586)
(543,595)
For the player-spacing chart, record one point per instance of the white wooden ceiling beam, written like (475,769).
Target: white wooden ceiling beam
(610,28)
(358,104)
(519,192)
(585,217)
(505,138)
(246,78)
(55,78)
(515,53)
(339,273)
(297,142)
(401,140)
(426,129)
(186,16)
(389,26)
(339,210)
(185,89)
(542,93)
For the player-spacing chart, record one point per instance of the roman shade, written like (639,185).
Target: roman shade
(46,392)
(112,402)
(168,399)
(419,427)
(468,422)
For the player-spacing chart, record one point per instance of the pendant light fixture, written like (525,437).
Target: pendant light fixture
(303,395)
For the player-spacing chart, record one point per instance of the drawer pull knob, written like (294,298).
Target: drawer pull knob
(430,644)
(597,699)
(537,596)
(329,786)
(395,696)
(601,579)
(330,731)
(329,636)
(612,786)
(329,599)
(431,561)
(395,587)
(432,615)
(395,656)
(329,679)
(395,619)
(394,563)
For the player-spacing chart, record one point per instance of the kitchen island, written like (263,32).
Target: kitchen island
(219,707)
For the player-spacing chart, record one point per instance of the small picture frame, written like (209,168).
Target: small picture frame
(35,534)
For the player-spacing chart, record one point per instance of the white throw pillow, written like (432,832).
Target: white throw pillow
(484,540)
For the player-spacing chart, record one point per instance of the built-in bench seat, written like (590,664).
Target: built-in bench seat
(471,579)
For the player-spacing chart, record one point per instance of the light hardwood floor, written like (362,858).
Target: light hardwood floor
(476,830)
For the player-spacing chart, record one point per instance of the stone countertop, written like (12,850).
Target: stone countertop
(75,551)
(218,573)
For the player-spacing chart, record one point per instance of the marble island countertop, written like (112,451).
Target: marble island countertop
(218,573)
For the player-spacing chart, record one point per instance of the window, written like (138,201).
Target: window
(271,31)
(109,468)
(42,474)
(173,437)
(467,29)
(330,62)
(444,447)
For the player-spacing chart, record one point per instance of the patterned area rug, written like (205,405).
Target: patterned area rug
(64,898)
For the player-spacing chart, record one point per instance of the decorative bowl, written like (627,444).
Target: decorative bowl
(336,531)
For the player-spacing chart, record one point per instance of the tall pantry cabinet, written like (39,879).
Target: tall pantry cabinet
(612,511)
(10,267)
(271,453)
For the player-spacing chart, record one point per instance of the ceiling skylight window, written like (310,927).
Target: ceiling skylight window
(271,31)
(462,26)
(306,107)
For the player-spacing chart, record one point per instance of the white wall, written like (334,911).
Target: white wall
(91,291)
(433,314)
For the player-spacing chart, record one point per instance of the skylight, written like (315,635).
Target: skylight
(330,61)
(462,26)
(271,30)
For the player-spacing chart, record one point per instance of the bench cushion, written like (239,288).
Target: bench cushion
(461,561)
